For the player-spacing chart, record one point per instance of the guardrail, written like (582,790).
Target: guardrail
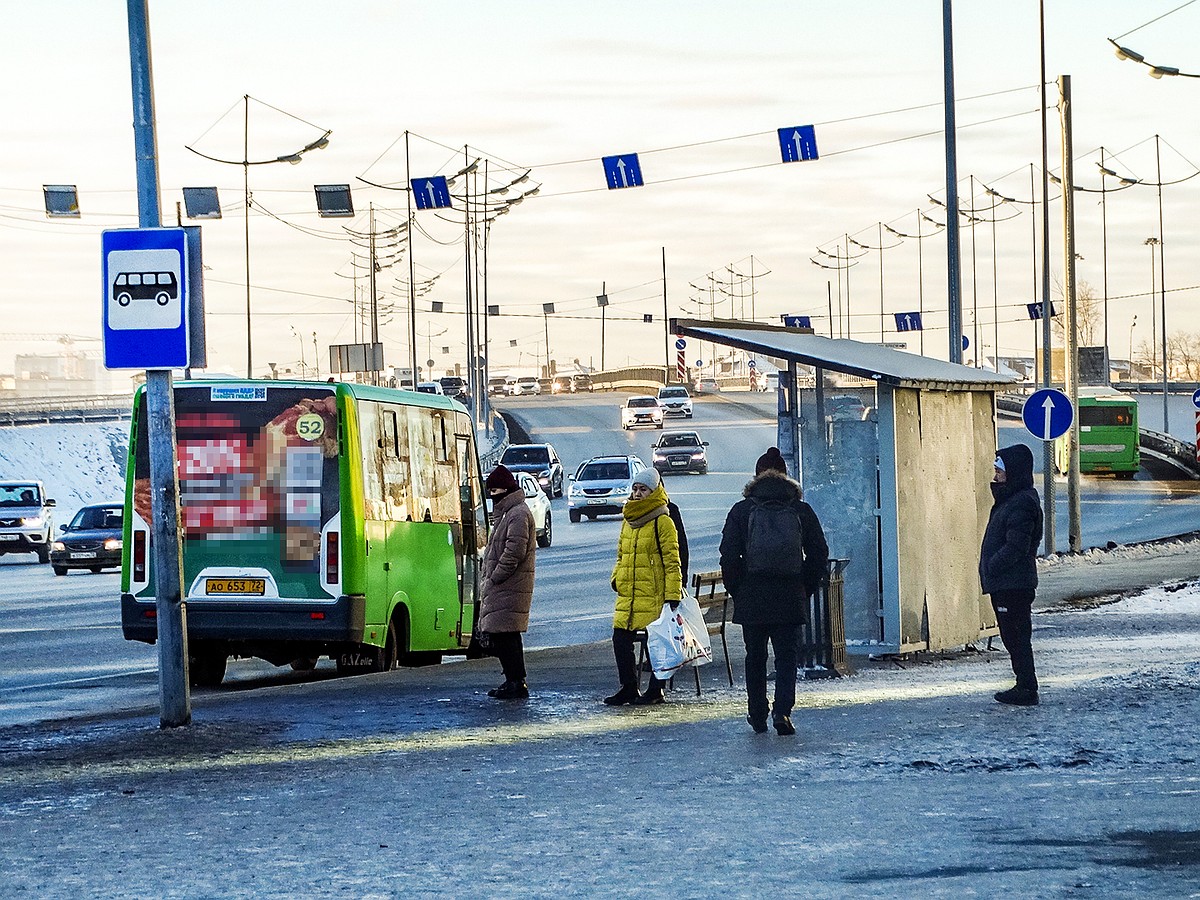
(42,410)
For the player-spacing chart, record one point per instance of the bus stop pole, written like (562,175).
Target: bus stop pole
(170,612)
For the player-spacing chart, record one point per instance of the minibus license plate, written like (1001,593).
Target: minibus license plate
(257,586)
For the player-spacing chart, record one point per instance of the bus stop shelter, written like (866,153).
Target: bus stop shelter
(900,481)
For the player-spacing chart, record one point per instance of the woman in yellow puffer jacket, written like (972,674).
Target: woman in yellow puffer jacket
(646,576)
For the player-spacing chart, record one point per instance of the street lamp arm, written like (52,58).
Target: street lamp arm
(385,187)
(319,144)
(1156,71)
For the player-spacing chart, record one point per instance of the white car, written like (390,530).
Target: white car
(675,401)
(539,506)
(525,385)
(641,411)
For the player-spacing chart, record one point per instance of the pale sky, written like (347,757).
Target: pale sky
(697,88)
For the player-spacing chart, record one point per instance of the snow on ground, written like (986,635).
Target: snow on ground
(79,464)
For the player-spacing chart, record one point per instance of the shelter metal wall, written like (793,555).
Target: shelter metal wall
(944,443)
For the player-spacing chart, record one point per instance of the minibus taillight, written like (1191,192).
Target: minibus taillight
(139,556)
(331,558)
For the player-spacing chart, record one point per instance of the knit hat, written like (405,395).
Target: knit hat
(502,479)
(649,477)
(771,461)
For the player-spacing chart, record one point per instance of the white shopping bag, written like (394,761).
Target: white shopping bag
(697,648)
(677,638)
(664,643)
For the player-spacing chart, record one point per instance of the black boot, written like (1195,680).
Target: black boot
(653,695)
(510,690)
(759,725)
(627,694)
(1018,696)
(784,726)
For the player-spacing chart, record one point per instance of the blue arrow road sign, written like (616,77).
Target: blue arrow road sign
(966,342)
(680,343)
(145,298)
(752,365)
(1196,399)
(1035,310)
(1047,414)
(909,321)
(431,193)
(798,143)
(623,171)
(797,321)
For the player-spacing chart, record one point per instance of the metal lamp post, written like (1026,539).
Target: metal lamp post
(246,162)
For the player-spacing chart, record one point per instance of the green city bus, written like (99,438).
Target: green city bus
(317,519)
(1108,435)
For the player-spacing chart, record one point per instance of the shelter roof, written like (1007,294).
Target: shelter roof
(879,363)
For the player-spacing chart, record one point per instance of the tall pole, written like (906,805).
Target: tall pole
(603,310)
(921,280)
(1048,502)
(974,280)
(246,193)
(1071,355)
(375,303)
(881,313)
(953,276)
(1153,242)
(849,320)
(995,293)
(1162,291)
(412,288)
(1104,252)
(174,700)
(666,322)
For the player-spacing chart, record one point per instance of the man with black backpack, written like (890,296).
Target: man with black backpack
(773,558)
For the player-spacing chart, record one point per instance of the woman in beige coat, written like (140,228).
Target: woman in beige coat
(507,588)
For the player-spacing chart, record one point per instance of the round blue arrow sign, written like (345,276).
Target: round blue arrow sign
(1196,399)
(1047,414)
(699,363)
(966,342)
(680,343)
(752,364)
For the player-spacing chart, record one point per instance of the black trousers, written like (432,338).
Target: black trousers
(506,646)
(1015,617)
(783,644)
(623,641)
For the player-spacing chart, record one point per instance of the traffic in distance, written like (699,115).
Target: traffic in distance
(572,599)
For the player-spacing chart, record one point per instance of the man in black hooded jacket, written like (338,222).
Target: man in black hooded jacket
(1008,565)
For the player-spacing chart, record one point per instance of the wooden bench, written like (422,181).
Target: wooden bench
(709,591)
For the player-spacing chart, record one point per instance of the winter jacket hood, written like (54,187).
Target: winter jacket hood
(1018,471)
(772,485)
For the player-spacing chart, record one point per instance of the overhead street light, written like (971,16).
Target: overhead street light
(245,162)
(1156,71)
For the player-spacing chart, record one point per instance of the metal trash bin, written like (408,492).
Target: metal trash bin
(821,645)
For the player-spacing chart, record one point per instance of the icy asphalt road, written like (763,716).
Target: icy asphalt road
(905,780)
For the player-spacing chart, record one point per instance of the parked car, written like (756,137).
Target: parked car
(26,519)
(707,386)
(600,487)
(641,411)
(562,384)
(91,541)
(454,387)
(846,408)
(582,382)
(675,401)
(497,384)
(540,461)
(680,451)
(546,384)
(430,387)
(526,385)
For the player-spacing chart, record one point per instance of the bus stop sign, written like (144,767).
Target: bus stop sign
(145,298)
(1047,414)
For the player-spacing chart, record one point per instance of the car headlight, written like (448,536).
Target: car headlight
(32,521)
(112,544)
(58,545)
(699,455)
(620,490)
(658,454)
